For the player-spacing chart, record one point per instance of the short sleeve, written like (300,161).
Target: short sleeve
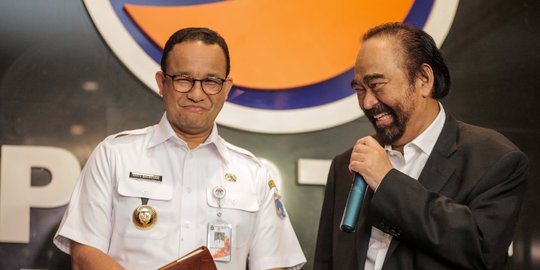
(275,243)
(87,219)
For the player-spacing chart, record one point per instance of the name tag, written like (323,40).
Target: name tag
(145,176)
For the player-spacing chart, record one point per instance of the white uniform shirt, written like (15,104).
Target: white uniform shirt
(99,214)
(411,163)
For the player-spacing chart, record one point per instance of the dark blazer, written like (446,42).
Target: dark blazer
(460,214)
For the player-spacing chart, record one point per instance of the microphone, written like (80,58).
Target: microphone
(354,204)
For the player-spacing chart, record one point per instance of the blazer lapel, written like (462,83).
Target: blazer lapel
(438,169)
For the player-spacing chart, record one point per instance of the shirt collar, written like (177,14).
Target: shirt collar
(218,142)
(163,131)
(427,139)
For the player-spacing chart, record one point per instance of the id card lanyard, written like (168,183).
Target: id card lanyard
(219,239)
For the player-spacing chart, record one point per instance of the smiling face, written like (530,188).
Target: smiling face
(398,109)
(192,114)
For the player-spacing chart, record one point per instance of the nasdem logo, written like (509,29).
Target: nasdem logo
(291,61)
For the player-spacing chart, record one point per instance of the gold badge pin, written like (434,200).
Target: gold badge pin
(144,217)
(230,177)
(271,184)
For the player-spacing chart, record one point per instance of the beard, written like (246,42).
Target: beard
(387,135)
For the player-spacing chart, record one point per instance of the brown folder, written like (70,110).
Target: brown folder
(198,259)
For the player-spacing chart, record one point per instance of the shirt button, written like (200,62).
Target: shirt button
(188,190)
(187,224)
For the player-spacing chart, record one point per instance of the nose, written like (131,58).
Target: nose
(196,93)
(368,100)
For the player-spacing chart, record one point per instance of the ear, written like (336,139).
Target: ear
(160,80)
(425,81)
(227,85)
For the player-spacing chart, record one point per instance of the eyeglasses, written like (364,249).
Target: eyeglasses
(211,86)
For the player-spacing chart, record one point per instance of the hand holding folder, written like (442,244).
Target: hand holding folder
(198,259)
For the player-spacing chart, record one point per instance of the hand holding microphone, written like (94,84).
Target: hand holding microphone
(368,159)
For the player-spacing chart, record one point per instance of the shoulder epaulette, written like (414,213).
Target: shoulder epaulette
(240,150)
(139,131)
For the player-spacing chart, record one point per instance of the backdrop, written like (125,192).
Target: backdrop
(63,89)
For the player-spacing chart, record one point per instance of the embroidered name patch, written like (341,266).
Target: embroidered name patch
(145,176)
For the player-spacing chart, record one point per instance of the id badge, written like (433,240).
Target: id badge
(219,240)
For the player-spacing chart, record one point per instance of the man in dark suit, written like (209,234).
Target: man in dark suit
(441,194)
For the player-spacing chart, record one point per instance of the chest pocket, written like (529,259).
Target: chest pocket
(159,197)
(240,209)
(235,200)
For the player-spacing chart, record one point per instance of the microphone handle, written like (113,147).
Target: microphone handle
(354,204)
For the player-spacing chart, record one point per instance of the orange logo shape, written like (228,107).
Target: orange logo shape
(277,44)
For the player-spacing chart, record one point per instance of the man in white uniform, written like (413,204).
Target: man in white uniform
(149,196)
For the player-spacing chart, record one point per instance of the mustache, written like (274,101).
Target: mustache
(378,109)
